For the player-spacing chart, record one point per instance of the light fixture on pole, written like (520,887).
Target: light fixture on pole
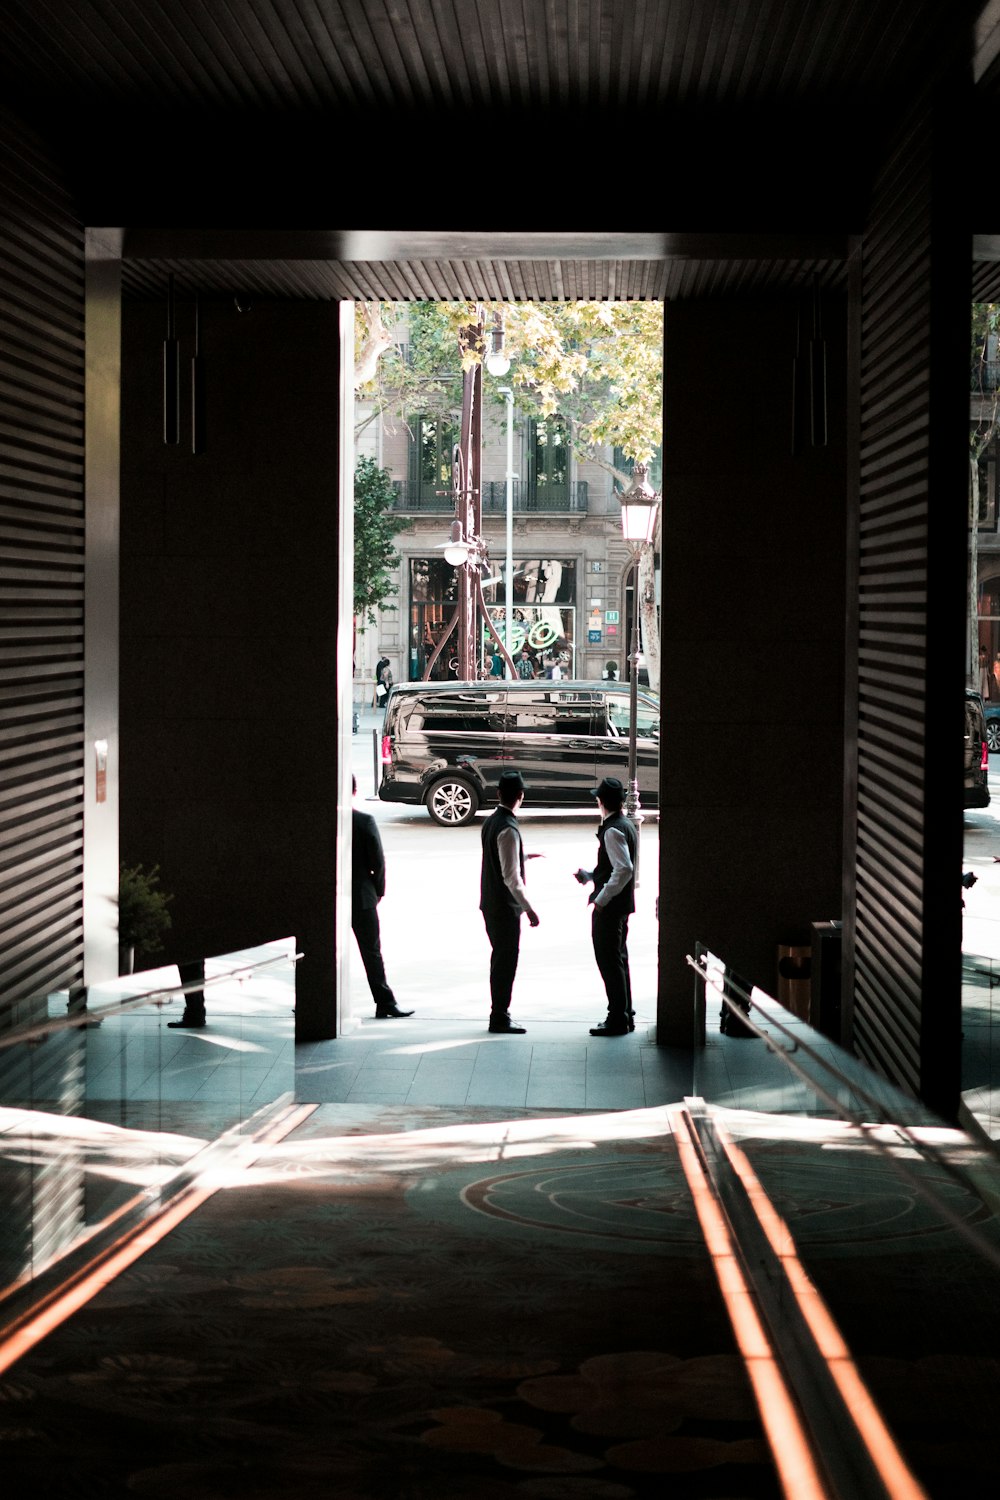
(640,504)
(497,362)
(456,551)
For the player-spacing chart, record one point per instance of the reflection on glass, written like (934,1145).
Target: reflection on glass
(92,1114)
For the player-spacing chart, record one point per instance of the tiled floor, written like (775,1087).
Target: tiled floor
(450,1063)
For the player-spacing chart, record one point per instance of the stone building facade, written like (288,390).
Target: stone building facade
(572,571)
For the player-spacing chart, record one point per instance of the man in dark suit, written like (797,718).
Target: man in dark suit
(502,897)
(613,900)
(367,890)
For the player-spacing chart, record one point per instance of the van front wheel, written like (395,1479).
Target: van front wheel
(452,803)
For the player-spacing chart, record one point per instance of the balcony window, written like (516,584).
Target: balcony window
(549,462)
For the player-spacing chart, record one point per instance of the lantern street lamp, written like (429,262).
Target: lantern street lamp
(640,504)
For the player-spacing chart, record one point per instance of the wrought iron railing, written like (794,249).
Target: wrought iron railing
(985,376)
(528,498)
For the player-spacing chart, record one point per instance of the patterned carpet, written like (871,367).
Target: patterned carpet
(396,1305)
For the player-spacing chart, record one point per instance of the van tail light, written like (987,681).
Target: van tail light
(984,763)
(386,756)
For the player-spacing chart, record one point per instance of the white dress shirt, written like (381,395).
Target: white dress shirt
(508,848)
(616,846)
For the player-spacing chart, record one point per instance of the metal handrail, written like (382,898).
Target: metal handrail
(924,1148)
(826,1434)
(37,1031)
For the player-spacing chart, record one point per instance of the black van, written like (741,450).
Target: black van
(444,744)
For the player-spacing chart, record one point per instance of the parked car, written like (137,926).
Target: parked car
(444,744)
(977,777)
(992,712)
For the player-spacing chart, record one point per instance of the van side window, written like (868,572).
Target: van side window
(552,713)
(459,712)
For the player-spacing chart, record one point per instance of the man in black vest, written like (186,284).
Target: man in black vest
(367,890)
(613,899)
(502,897)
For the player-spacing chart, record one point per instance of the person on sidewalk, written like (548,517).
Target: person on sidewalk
(525,666)
(613,900)
(502,897)
(367,890)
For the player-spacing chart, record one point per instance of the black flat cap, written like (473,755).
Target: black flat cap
(611,790)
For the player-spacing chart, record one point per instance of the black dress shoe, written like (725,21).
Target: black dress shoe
(506,1026)
(609,1028)
(631,1020)
(189,1023)
(387,1015)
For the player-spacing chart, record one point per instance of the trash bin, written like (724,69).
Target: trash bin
(795,979)
(827,977)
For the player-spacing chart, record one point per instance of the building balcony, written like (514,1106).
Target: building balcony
(985,377)
(529,498)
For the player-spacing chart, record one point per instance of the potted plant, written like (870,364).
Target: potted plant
(142,914)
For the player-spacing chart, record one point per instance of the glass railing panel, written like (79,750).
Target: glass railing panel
(791,1069)
(98,1107)
(981,1041)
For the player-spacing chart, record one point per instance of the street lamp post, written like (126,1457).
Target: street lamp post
(508,629)
(466,549)
(640,503)
(498,364)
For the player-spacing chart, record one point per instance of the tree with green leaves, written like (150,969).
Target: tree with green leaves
(597,364)
(375,530)
(983,428)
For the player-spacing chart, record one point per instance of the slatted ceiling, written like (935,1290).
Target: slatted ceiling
(41,577)
(496,280)
(301,57)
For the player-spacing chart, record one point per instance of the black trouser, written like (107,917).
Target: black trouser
(610,936)
(194,1000)
(364,920)
(504,932)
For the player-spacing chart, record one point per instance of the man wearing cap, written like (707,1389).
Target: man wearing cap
(613,899)
(502,897)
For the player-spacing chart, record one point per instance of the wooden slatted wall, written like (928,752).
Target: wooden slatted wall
(41,579)
(904,933)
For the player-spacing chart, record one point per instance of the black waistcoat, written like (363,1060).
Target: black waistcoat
(494,894)
(624,902)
